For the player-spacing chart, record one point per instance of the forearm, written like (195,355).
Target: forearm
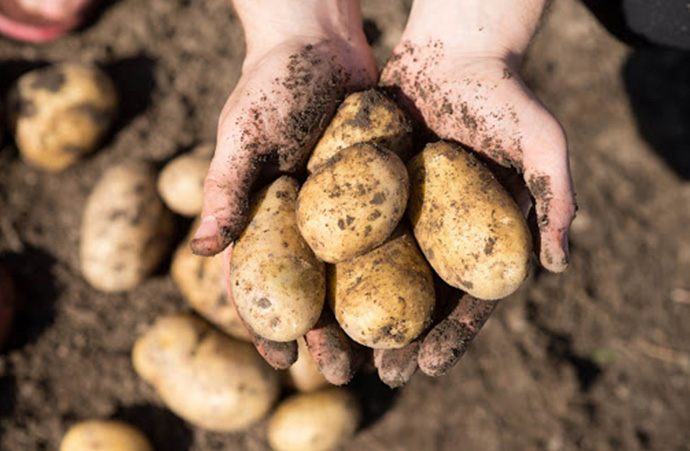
(502,27)
(268,22)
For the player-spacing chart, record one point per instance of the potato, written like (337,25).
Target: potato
(60,113)
(353,203)
(384,299)
(104,436)
(203,285)
(278,284)
(8,302)
(304,374)
(205,377)
(126,229)
(181,182)
(367,116)
(469,228)
(316,421)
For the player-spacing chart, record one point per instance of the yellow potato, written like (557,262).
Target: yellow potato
(353,203)
(205,377)
(126,229)
(304,374)
(317,421)
(181,182)
(367,116)
(384,299)
(60,113)
(278,284)
(203,285)
(104,436)
(469,228)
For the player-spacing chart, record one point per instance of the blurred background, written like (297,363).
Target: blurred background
(596,358)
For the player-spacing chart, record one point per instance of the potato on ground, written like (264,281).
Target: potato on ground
(107,435)
(469,228)
(317,421)
(205,377)
(181,182)
(278,284)
(384,299)
(60,113)
(304,374)
(353,203)
(126,229)
(8,299)
(202,283)
(367,116)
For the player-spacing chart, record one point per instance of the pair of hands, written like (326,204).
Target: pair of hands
(290,87)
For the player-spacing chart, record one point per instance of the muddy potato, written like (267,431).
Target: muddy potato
(304,374)
(104,436)
(181,182)
(353,203)
(384,299)
(203,285)
(126,229)
(317,421)
(277,282)
(61,113)
(205,377)
(367,116)
(469,228)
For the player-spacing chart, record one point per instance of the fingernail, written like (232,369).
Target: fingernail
(207,229)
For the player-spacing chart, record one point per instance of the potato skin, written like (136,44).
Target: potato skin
(205,377)
(469,228)
(126,229)
(367,116)
(384,299)
(202,283)
(317,421)
(104,436)
(181,182)
(60,113)
(353,203)
(278,284)
(304,374)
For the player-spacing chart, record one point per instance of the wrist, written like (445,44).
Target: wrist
(496,28)
(271,23)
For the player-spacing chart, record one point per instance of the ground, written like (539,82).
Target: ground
(596,358)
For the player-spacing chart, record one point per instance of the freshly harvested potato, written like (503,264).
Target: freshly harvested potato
(353,203)
(126,229)
(384,299)
(317,421)
(304,374)
(278,284)
(104,436)
(367,116)
(469,228)
(7,304)
(205,377)
(60,113)
(202,283)
(181,182)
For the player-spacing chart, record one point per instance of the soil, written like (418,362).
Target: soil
(597,358)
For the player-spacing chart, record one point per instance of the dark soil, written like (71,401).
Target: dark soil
(597,358)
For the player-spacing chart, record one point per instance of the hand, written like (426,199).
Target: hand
(303,57)
(458,74)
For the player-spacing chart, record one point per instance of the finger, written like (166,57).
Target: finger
(547,174)
(447,342)
(397,366)
(279,355)
(226,192)
(334,353)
